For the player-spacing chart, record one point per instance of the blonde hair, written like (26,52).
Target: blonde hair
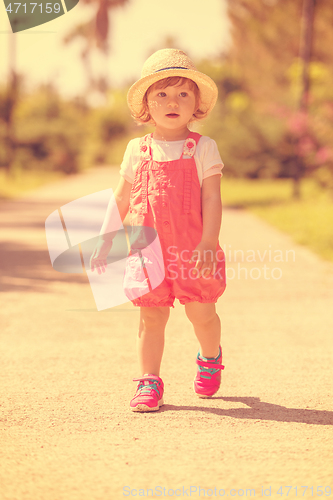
(173,81)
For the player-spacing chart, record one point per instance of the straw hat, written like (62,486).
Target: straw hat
(166,63)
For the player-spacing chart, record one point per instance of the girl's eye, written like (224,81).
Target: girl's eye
(183,94)
(162,94)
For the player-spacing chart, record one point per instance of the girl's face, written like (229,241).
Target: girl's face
(172,108)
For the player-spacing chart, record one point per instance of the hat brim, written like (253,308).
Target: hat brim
(207,87)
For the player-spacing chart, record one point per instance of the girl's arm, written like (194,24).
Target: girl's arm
(205,253)
(120,208)
(122,199)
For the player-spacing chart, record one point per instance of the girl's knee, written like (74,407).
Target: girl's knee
(201,314)
(155,315)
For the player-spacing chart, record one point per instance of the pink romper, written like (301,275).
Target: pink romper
(166,196)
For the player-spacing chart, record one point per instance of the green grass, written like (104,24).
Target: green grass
(308,221)
(17,183)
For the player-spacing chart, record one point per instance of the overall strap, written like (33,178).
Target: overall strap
(145,147)
(145,155)
(190,145)
(188,152)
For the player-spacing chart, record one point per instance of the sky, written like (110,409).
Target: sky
(200,27)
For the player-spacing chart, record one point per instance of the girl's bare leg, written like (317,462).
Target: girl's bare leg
(150,340)
(207,327)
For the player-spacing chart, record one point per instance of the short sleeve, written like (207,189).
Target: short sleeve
(209,157)
(130,161)
(217,170)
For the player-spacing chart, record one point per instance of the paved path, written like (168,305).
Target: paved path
(66,431)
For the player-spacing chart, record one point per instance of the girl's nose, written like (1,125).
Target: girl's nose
(173,102)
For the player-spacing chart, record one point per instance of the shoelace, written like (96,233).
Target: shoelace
(147,385)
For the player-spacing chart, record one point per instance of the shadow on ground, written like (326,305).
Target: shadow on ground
(27,214)
(23,268)
(258,410)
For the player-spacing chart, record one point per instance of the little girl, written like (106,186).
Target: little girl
(170,181)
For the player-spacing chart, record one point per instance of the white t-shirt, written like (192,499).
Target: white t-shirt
(206,156)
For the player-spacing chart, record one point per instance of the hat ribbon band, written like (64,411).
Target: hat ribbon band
(172,67)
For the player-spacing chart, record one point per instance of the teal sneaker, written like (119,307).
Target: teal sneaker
(149,394)
(208,378)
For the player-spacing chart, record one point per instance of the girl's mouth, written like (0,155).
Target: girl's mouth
(172,115)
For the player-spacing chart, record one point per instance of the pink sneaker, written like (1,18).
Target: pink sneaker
(149,394)
(208,378)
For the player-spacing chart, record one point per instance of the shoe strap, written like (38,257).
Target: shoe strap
(152,378)
(209,364)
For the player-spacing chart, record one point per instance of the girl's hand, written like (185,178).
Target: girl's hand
(98,258)
(204,256)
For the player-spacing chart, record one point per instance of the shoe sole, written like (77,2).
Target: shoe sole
(204,396)
(144,408)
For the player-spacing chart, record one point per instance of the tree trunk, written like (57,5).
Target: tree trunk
(305,56)
(296,188)
(306,49)
(11,102)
